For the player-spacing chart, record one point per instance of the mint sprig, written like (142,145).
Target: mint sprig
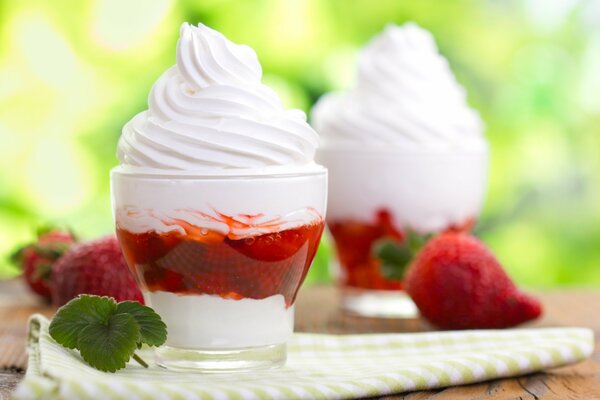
(105,332)
(395,256)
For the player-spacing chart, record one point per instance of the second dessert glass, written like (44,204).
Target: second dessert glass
(220,258)
(377,193)
(406,153)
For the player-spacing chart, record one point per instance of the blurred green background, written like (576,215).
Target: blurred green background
(73,72)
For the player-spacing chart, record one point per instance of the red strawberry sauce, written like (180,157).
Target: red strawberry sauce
(207,262)
(353,242)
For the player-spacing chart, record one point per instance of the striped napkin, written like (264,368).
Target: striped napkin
(318,367)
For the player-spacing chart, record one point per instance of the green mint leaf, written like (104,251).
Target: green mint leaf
(77,314)
(108,346)
(415,240)
(394,257)
(153,330)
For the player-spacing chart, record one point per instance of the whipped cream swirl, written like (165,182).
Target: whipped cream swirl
(211,111)
(405,96)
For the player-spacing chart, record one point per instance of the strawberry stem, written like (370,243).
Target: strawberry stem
(140,360)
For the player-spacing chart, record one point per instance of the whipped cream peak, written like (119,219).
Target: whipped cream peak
(205,57)
(211,112)
(405,96)
(396,41)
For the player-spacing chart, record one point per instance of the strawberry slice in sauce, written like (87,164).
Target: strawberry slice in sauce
(354,241)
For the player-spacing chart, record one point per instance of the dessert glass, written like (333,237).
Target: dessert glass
(376,193)
(220,258)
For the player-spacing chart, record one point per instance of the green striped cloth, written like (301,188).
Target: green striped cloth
(318,367)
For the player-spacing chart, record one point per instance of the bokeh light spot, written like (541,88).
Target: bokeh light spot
(120,25)
(340,70)
(291,96)
(13,231)
(529,253)
(46,51)
(589,86)
(57,177)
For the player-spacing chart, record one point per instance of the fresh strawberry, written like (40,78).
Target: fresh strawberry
(457,283)
(95,267)
(37,259)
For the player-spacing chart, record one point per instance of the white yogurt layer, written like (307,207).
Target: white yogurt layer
(211,322)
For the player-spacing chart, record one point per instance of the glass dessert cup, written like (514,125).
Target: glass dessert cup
(377,193)
(220,259)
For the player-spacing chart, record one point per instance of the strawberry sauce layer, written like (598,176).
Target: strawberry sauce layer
(207,262)
(353,242)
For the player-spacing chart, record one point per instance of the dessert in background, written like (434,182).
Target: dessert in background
(219,206)
(405,152)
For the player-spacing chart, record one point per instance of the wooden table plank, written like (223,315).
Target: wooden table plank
(16,305)
(317,311)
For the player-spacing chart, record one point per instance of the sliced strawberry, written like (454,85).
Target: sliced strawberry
(256,267)
(275,246)
(354,243)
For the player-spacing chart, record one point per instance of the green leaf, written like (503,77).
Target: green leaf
(153,330)
(51,251)
(77,314)
(108,346)
(394,257)
(43,270)
(106,333)
(415,240)
(16,258)
(43,229)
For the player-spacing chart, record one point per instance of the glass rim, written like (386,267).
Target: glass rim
(275,172)
(480,150)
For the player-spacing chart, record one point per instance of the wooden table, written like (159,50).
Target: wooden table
(317,311)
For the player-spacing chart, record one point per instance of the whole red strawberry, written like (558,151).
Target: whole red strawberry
(457,283)
(37,259)
(94,267)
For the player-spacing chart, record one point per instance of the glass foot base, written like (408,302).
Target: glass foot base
(378,303)
(215,361)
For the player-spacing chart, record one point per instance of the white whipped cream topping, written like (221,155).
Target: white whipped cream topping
(405,96)
(210,111)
